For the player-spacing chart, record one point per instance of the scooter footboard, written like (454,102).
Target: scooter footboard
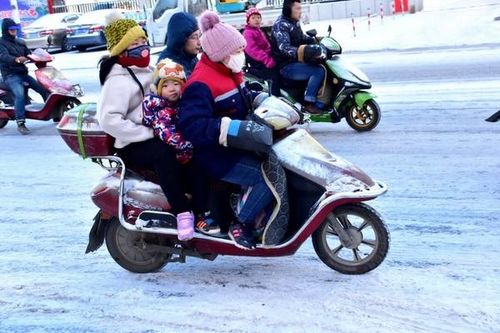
(325,205)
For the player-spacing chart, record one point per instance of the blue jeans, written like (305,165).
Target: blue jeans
(247,173)
(15,82)
(313,74)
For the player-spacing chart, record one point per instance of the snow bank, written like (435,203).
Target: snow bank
(441,24)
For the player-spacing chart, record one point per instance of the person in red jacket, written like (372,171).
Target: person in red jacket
(215,98)
(258,50)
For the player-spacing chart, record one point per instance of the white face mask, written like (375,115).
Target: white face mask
(236,62)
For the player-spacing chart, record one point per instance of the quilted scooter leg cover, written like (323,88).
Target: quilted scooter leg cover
(275,177)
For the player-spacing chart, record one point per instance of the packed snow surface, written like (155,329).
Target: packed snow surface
(439,158)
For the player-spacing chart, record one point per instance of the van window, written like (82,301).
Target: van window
(162,6)
(196,7)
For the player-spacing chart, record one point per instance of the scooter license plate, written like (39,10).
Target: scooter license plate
(77,90)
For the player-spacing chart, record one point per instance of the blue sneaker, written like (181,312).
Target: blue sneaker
(242,236)
(206,224)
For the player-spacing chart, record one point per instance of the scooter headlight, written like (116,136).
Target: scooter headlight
(77,90)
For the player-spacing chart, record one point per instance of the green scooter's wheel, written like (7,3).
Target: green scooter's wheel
(365,118)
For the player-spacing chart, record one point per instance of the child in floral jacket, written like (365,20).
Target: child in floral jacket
(160,108)
(160,113)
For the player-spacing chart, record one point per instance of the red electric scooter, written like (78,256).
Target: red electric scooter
(325,195)
(63,94)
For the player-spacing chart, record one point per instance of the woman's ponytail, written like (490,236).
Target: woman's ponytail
(105,65)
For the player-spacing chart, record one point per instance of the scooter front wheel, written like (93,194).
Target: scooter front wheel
(129,249)
(363,118)
(352,240)
(3,122)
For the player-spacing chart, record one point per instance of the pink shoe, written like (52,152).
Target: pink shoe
(185,226)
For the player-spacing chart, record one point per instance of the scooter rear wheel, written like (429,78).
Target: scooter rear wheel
(3,122)
(129,251)
(365,118)
(364,249)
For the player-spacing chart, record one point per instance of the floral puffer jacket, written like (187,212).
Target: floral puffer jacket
(161,115)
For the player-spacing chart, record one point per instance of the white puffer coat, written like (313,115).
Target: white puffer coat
(119,109)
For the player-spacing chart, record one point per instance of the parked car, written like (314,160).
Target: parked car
(49,31)
(88,30)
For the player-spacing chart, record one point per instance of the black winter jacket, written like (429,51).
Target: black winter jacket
(180,27)
(287,36)
(10,49)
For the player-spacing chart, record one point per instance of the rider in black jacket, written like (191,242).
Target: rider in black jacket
(296,53)
(13,55)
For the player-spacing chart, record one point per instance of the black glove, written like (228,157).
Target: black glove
(247,135)
(254,85)
(314,54)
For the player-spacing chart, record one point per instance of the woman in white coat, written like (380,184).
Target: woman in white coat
(125,76)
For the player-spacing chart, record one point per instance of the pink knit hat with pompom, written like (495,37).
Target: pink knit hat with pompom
(218,39)
(252,11)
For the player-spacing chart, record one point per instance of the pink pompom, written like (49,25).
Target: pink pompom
(208,19)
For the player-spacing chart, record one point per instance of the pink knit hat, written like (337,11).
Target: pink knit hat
(218,39)
(252,11)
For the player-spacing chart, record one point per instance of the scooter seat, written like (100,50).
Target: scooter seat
(148,175)
(35,107)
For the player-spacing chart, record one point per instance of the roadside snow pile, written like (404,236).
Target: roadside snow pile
(436,26)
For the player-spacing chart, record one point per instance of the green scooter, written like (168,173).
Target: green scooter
(344,94)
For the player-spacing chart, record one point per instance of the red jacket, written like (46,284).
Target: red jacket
(210,94)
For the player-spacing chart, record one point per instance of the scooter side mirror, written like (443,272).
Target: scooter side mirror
(312,32)
(329,30)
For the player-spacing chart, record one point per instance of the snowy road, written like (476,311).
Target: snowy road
(433,148)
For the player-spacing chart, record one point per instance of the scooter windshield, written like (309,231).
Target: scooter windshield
(53,80)
(301,153)
(347,70)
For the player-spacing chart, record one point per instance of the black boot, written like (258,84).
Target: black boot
(21,127)
(311,109)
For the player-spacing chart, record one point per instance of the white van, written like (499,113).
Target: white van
(159,16)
